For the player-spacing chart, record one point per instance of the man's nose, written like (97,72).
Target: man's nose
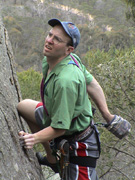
(49,39)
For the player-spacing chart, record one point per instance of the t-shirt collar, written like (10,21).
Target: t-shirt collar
(57,69)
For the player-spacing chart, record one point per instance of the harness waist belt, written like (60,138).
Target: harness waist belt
(84,134)
(86,161)
(79,136)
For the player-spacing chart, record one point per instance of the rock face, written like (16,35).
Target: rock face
(16,163)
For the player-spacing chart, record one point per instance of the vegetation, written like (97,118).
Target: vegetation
(115,71)
(26,22)
(130,14)
(30,84)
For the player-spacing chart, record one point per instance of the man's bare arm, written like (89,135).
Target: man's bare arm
(97,95)
(49,133)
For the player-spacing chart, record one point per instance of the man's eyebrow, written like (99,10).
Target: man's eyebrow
(55,36)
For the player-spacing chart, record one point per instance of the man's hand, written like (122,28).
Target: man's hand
(27,140)
(119,127)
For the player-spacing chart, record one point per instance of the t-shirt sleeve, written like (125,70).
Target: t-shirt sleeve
(65,96)
(87,75)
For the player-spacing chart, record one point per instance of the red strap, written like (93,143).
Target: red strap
(42,86)
(39,104)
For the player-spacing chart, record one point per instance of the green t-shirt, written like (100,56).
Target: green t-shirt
(66,97)
(87,75)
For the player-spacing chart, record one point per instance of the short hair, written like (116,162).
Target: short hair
(70,42)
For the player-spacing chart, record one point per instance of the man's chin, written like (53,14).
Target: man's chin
(44,53)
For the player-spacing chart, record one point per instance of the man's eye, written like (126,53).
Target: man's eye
(50,34)
(58,39)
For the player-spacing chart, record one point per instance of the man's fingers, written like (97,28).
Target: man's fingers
(28,147)
(27,140)
(22,133)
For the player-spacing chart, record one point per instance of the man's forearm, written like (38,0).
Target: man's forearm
(48,134)
(97,95)
(29,140)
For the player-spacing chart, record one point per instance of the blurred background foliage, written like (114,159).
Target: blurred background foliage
(29,81)
(103,24)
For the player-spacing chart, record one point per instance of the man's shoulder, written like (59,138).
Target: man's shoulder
(76,57)
(70,74)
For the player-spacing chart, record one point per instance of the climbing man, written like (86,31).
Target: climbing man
(63,120)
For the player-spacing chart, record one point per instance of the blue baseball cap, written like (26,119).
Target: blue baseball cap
(69,28)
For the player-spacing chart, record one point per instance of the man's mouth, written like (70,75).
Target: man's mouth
(48,47)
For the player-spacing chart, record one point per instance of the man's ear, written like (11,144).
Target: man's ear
(70,49)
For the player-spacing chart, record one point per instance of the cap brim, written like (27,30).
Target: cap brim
(54,22)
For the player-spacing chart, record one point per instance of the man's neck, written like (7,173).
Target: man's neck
(53,62)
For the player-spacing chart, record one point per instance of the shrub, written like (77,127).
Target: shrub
(30,84)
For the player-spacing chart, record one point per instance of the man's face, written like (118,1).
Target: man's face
(56,43)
